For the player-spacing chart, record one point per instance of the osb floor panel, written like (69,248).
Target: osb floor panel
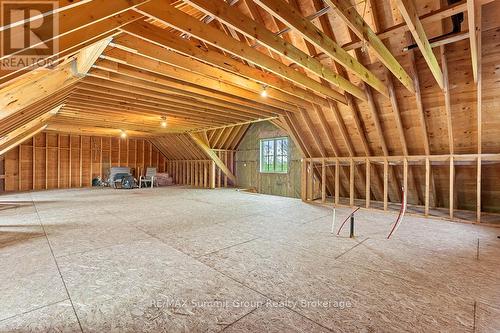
(188,260)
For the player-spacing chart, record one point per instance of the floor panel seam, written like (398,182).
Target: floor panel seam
(34,309)
(57,266)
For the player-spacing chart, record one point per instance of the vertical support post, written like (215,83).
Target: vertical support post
(323,181)
(303,179)
(427,185)
(368,185)
(33,164)
(386,171)
(219,174)
(46,161)
(351,183)
(452,185)
(310,187)
(337,182)
(205,174)
(58,160)
(19,169)
(100,158)
(150,154)
(135,157)
(91,161)
(81,161)
(119,151)
(405,176)
(212,175)
(478,191)
(70,171)
(225,162)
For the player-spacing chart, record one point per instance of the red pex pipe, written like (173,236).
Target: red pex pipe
(402,211)
(348,216)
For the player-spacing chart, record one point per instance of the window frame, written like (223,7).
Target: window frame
(274,155)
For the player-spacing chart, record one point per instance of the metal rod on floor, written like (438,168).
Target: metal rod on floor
(351,233)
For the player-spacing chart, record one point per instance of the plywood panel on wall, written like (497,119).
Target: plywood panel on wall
(248,167)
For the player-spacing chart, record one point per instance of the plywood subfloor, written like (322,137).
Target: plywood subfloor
(188,260)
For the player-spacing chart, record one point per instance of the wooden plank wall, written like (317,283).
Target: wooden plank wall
(58,160)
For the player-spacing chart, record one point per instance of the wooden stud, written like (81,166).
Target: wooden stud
(69,167)
(367,183)
(303,179)
(337,182)
(386,168)
(427,185)
(81,161)
(212,174)
(478,191)
(323,182)
(351,184)
(447,99)
(58,160)
(19,170)
(452,187)
(33,148)
(46,161)
(310,183)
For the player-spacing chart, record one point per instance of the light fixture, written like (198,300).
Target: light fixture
(263,93)
(123,134)
(163,122)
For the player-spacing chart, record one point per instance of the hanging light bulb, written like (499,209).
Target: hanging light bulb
(123,134)
(163,122)
(263,93)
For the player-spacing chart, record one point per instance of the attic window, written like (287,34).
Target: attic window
(274,155)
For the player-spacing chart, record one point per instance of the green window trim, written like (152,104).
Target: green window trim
(274,155)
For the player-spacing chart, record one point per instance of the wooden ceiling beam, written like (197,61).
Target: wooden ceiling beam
(112,69)
(233,17)
(159,109)
(21,138)
(159,53)
(447,100)
(408,10)
(197,50)
(86,58)
(87,104)
(472,9)
(93,130)
(73,19)
(75,41)
(141,64)
(160,95)
(176,19)
(309,31)
(36,122)
(397,30)
(80,115)
(16,97)
(37,108)
(357,24)
(61,6)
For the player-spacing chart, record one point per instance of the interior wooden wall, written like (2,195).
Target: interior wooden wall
(56,160)
(248,163)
